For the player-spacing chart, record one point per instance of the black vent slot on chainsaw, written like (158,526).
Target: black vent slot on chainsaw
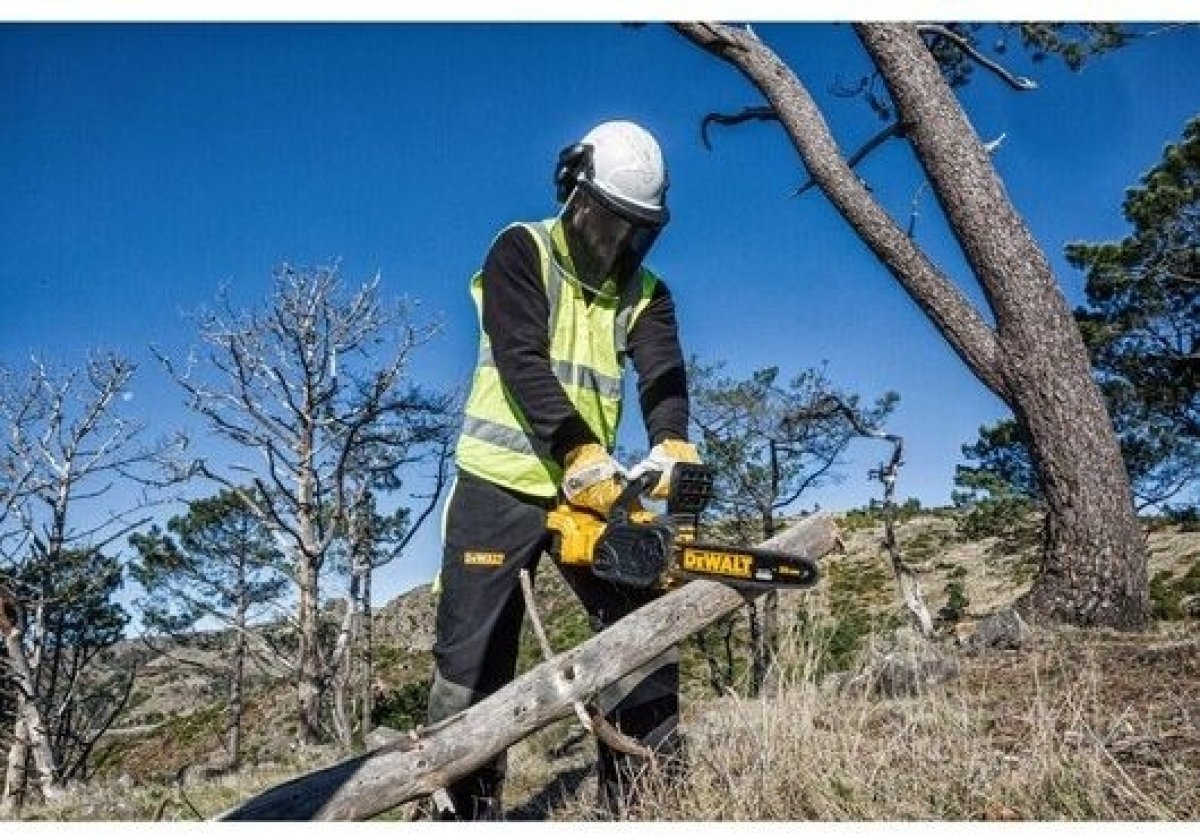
(691,489)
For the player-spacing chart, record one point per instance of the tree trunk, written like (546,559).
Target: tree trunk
(758,646)
(715,681)
(413,767)
(344,661)
(1094,565)
(342,674)
(233,724)
(367,646)
(30,729)
(768,611)
(311,672)
(15,776)
(308,674)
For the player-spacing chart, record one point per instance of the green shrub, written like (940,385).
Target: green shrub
(387,656)
(404,708)
(1175,600)
(1006,517)
(925,545)
(837,640)
(858,585)
(874,515)
(197,726)
(1187,517)
(956,597)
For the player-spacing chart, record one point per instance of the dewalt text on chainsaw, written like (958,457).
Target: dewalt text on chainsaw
(641,549)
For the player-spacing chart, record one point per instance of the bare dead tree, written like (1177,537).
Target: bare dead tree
(315,388)
(29,732)
(69,446)
(373,541)
(887,473)
(1025,347)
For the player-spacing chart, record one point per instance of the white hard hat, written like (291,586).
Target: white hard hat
(622,161)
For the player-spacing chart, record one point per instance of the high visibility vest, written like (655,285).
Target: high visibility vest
(587,354)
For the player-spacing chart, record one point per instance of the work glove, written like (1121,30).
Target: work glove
(593,479)
(662,458)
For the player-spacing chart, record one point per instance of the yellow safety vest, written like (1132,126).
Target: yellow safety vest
(587,354)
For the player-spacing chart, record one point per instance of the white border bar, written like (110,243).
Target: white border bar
(592,10)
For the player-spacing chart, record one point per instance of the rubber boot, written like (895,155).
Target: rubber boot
(478,795)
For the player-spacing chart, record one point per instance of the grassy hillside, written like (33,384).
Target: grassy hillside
(1070,724)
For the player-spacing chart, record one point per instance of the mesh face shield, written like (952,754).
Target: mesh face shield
(605,241)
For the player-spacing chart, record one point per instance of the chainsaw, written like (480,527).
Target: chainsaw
(636,547)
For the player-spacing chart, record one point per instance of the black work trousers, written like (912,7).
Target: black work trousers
(491,533)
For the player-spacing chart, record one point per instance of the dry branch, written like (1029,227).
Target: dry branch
(592,719)
(414,767)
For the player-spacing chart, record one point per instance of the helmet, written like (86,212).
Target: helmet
(613,184)
(623,163)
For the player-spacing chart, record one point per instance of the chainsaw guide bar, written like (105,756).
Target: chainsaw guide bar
(746,567)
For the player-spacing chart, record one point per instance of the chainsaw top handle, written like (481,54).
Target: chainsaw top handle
(634,489)
(690,492)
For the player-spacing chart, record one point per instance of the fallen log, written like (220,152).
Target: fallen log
(430,758)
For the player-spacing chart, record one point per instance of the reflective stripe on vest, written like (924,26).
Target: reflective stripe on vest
(609,386)
(587,355)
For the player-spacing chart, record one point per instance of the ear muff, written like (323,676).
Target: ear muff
(574,161)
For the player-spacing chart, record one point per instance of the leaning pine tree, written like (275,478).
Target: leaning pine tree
(1094,562)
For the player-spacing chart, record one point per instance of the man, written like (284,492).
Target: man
(562,304)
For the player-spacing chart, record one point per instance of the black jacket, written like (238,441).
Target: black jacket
(516,316)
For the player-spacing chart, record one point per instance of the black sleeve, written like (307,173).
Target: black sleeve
(662,378)
(516,316)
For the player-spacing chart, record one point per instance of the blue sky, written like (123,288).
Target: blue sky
(142,166)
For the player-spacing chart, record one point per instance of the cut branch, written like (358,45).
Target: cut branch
(968,49)
(415,767)
(896,129)
(760,113)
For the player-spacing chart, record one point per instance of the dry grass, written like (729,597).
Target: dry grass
(1075,726)
(195,798)
(1079,726)
(974,749)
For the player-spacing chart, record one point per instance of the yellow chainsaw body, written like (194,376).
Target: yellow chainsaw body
(577,531)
